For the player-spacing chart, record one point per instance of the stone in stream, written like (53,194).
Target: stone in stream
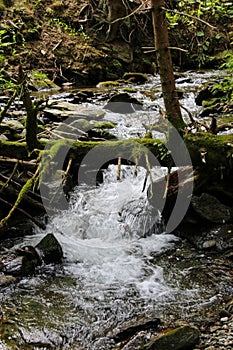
(7,280)
(181,338)
(132,327)
(49,249)
(21,262)
(60,110)
(123,103)
(135,77)
(210,209)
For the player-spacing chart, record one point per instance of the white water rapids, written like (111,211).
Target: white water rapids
(110,273)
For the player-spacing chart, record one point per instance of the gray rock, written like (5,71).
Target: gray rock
(49,249)
(21,262)
(211,209)
(60,110)
(209,244)
(13,125)
(182,338)
(123,103)
(132,327)
(7,280)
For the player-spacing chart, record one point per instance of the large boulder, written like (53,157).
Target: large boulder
(181,338)
(49,249)
(123,103)
(210,209)
(61,110)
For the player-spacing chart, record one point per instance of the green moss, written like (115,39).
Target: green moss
(104,125)
(2,5)
(210,103)
(106,84)
(40,81)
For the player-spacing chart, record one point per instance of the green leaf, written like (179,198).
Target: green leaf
(200,33)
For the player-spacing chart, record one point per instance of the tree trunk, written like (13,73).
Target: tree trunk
(116,9)
(31,120)
(164,60)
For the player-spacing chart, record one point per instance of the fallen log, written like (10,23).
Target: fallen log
(218,148)
(211,156)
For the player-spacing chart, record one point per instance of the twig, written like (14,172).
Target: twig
(24,190)
(67,170)
(136,168)
(10,177)
(33,219)
(5,109)
(189,113)
(119,169)
(131,14)
(19,161)
(167,182)
(149,172)
(187,15)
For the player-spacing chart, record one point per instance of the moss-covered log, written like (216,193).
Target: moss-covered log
(207,151)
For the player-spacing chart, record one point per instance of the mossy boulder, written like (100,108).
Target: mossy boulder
(107,84)
(40,81)
(134,77)
(182,338)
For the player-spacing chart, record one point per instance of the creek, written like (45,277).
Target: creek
(112,271)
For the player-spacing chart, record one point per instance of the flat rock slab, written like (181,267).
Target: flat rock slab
(182,338)
(63,109)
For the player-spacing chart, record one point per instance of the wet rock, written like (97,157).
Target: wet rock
(3,138)
(209,244)
(82,96)
(11,129)
(6,280)
(128,329)
(135,77)
(21,262)
(210,209)
(40,81)
(123,103)
(204,94)
(182,338)
(60,110)
(49,249)
(106,84)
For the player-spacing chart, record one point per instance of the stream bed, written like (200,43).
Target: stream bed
(112,271)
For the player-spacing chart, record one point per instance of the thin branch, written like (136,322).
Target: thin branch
(33,219)
(131,14)
(119,169)
(190,16)
(5,109)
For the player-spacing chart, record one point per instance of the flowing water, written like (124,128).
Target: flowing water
(112,271)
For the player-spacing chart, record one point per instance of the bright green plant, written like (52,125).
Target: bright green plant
(200,20)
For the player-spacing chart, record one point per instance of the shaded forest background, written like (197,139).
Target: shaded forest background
(79,42)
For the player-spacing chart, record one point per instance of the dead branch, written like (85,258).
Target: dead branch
(190,16)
